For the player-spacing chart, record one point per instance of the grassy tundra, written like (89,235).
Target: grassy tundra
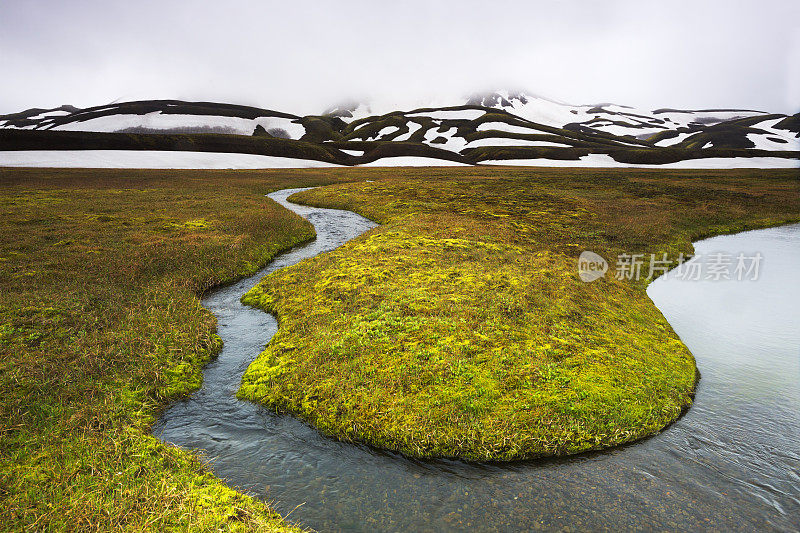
(100,324)
(456,328)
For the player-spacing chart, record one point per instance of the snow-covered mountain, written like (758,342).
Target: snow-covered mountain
(496,127)
(161,116)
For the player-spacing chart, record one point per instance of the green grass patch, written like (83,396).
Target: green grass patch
(460,327)
(101,326)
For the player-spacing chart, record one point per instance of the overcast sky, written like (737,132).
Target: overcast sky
(302,56)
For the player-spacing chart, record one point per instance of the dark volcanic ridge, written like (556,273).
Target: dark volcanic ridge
(502,126)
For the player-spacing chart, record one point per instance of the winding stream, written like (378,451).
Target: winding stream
(732,462)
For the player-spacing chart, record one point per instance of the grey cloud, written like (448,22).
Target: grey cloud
(303,56)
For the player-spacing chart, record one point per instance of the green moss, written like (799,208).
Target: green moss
(101,325)
(191,224)
(460,327)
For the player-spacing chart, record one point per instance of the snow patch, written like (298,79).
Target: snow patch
(413,127)
(388,130)
(463,114)
(675,140)
(49,115)
(502,126)
(619,131)
(736,162)
(412,161)
(453,142)
(503,141)
(765,141)
(591,160)
(544,111)
(604,160)
(148,159)
(707,118)
(159,121)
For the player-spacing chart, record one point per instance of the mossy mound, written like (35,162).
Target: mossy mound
(460,327)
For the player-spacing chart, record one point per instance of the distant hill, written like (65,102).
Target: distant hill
(498,127)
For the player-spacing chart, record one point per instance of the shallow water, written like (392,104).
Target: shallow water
(733,461)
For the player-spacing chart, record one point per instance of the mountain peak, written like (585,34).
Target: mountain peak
(499,99)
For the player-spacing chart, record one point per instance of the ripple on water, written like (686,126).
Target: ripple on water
(731,462)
